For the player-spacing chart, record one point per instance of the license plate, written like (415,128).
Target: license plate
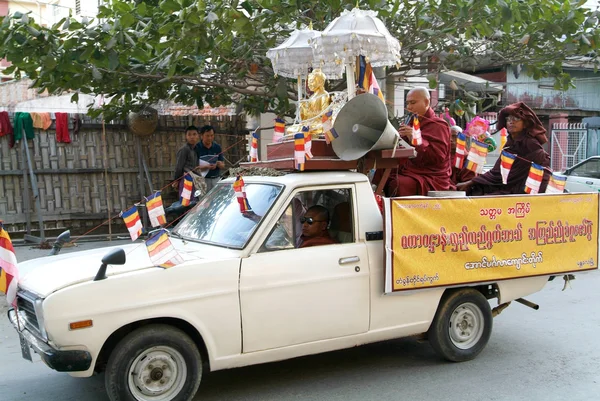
(25,350)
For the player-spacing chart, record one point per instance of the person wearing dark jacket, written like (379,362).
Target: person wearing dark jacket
(526,135)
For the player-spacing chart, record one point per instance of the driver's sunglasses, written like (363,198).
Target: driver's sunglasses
(511,119)
(309,220)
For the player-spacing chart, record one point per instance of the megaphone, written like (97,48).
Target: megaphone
(362,125)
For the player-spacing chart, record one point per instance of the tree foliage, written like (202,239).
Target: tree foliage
(213,51)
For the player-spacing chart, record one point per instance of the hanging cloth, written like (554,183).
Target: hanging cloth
(62,128)
(41,120)
(23,122)
(76,124)
(6,128)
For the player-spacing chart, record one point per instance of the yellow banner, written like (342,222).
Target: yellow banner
(441,242)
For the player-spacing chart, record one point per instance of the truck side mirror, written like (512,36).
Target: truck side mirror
(62,239)
(114,257)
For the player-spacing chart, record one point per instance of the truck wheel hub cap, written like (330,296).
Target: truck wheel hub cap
(157,374)
(466,326)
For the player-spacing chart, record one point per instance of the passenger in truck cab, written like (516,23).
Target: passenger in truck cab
(314,227)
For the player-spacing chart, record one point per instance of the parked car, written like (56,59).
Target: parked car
(584,176)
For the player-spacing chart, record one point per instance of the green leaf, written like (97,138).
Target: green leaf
(87,53)
(113,60)
(127,20)
(75,98)
(142,8)
(169,6)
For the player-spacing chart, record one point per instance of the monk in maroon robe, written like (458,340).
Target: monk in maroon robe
(430,170)
(526,135)
(314,227)
(459,174)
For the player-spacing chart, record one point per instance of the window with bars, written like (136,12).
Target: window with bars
(78,7)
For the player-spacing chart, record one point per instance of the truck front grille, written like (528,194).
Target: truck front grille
(26,308)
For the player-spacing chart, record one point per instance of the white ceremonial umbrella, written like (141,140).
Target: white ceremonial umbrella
(294,57)
(355,33)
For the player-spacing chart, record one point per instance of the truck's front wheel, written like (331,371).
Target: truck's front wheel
(154,363)
(462,325)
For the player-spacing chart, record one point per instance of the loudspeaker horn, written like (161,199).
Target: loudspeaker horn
(363,125)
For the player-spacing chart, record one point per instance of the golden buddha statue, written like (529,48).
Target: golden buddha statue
(314,106)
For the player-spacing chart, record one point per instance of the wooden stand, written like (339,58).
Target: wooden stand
(280,156)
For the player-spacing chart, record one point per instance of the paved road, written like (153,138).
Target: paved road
(552,354)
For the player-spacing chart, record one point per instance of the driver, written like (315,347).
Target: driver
(314,227)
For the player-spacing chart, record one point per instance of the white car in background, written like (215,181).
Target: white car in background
(584,176)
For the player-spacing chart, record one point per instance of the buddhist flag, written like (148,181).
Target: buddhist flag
(534,179)
(503,138)
(279,130)
(299,151)
(374,87)
(161,251)
(416,134)
(240,192)
(461,150)
(330,133)
(254,147)
(307,142)
(186,192)
(476,158)
(9,274)
(156,212)
(556,185)
(506,162)
(132,221)
(364,73)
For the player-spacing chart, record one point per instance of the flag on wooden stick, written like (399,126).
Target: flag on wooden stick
(156,212)
(477,155)
(161,251)
(254,146)
(330,132)
(299,151)
(556,185)
(132,221)
(9,274)
(416,134)
(186,192)
(240,192)
(279,130)
(534,179)
(461,150)
(307,142)
(506,162)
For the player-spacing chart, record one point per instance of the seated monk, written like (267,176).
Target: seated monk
(526,135)
(314,106)
(430,170)
(314,227)
(459,174)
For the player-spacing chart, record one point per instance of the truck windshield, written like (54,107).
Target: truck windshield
(217,219)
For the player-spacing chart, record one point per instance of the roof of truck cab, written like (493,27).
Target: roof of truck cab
(308,178)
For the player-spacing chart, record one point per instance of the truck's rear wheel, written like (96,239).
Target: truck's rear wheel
(154,363)
(462,325)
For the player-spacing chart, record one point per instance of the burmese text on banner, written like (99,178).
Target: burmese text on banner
(495,238)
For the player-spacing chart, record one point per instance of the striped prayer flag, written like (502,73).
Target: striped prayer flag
(132,221)
(534,179)
(299,151)
(307,142)
(476,157)
(161,251)
(156,212)
(506,162)
(330,132)
(186,192)
(9,273)
(556,185)
(503,138)
(416,134)
(461,150)
(240,192)
(254,147)
(279,130)
(374,87)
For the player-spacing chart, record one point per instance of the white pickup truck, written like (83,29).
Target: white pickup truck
(247,294)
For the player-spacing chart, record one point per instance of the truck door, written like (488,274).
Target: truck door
(291,295)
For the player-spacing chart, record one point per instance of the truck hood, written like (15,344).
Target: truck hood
(46,275)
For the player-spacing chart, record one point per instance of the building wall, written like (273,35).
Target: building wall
(540,95)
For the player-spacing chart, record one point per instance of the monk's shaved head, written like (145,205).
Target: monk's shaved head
(419,90)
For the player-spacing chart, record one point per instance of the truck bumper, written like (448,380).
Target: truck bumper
(61,361)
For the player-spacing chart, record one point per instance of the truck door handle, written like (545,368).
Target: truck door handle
(589,182)
(351,259)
